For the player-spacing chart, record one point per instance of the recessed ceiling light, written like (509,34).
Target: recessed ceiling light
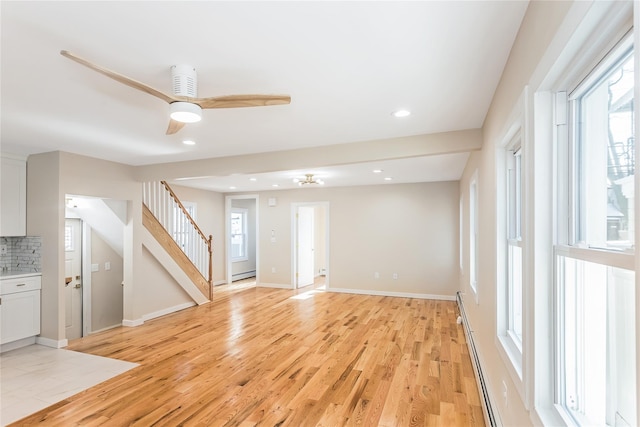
(232,188)
(275,185)
(188,142)
(253,179)
(388,178)
(401,113)
(378,171)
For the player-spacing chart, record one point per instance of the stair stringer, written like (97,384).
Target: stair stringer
(172,267)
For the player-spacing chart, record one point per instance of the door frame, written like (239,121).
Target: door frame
(227,234)
(294,239)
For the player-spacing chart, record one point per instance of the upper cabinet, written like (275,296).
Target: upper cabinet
(13,195)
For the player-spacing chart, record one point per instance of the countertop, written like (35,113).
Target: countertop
(16,275)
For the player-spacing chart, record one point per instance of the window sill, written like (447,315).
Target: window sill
(512,358)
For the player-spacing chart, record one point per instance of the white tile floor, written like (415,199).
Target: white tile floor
(34,377)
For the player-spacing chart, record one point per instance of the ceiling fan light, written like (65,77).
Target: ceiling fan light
(185,112)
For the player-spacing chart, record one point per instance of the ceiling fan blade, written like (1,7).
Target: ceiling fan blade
(174,126)
(120,78)
(239,101)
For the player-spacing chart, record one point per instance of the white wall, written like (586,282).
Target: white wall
(106,285)
(408,229)
(545,31)
(52,175)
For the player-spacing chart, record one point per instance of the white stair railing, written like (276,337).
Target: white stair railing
(176,220)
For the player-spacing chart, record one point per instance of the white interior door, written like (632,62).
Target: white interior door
(73,278)
(305,255)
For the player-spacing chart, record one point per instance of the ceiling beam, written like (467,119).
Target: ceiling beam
(314,157)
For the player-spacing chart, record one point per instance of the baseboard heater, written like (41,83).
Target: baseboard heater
(245,275)
(490,417)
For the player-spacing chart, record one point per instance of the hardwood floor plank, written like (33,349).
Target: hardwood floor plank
(257,356)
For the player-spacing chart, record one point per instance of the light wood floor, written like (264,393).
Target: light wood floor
(273,357)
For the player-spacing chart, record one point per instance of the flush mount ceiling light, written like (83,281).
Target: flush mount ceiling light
(188,142)
(401,113)
(185,112)
(378,171)
(308,179)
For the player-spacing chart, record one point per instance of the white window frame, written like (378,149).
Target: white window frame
(513,349)
(245,215)
(569,243)
(473,235)
(588,28)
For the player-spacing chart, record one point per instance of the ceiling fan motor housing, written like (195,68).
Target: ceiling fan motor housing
(185,81)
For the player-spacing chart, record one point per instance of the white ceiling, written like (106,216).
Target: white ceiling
(346,65)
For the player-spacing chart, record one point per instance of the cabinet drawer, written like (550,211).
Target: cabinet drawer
(21,284)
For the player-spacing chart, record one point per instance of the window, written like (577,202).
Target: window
(239,234)
(595,277)
(514,243)
(604,155)
(473,234)
(511,249)
(68,238)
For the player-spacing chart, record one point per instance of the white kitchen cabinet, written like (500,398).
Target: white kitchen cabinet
(19,308)
(13,195)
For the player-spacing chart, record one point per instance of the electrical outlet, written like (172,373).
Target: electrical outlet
(3,250)
(376,275)
(395,276)
(273,269)
(107,265)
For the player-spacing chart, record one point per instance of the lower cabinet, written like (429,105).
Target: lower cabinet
(19,308)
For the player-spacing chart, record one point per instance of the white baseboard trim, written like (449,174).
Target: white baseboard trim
(132,323)
(273,285)
(155,314)
(13,345)
(48,342)
(167,310)
(392,294)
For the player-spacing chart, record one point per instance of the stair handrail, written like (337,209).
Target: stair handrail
(152,204)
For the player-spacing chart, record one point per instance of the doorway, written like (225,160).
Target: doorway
(73,277)
(94,264)
(242,254)
(309,244)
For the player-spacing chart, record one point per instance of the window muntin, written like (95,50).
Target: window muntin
(603,147)
(239,234)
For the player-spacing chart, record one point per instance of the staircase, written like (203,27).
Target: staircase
(178,240)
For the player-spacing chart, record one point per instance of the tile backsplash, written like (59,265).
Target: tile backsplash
(23,255)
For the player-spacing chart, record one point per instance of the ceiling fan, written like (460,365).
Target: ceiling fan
(184,104)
